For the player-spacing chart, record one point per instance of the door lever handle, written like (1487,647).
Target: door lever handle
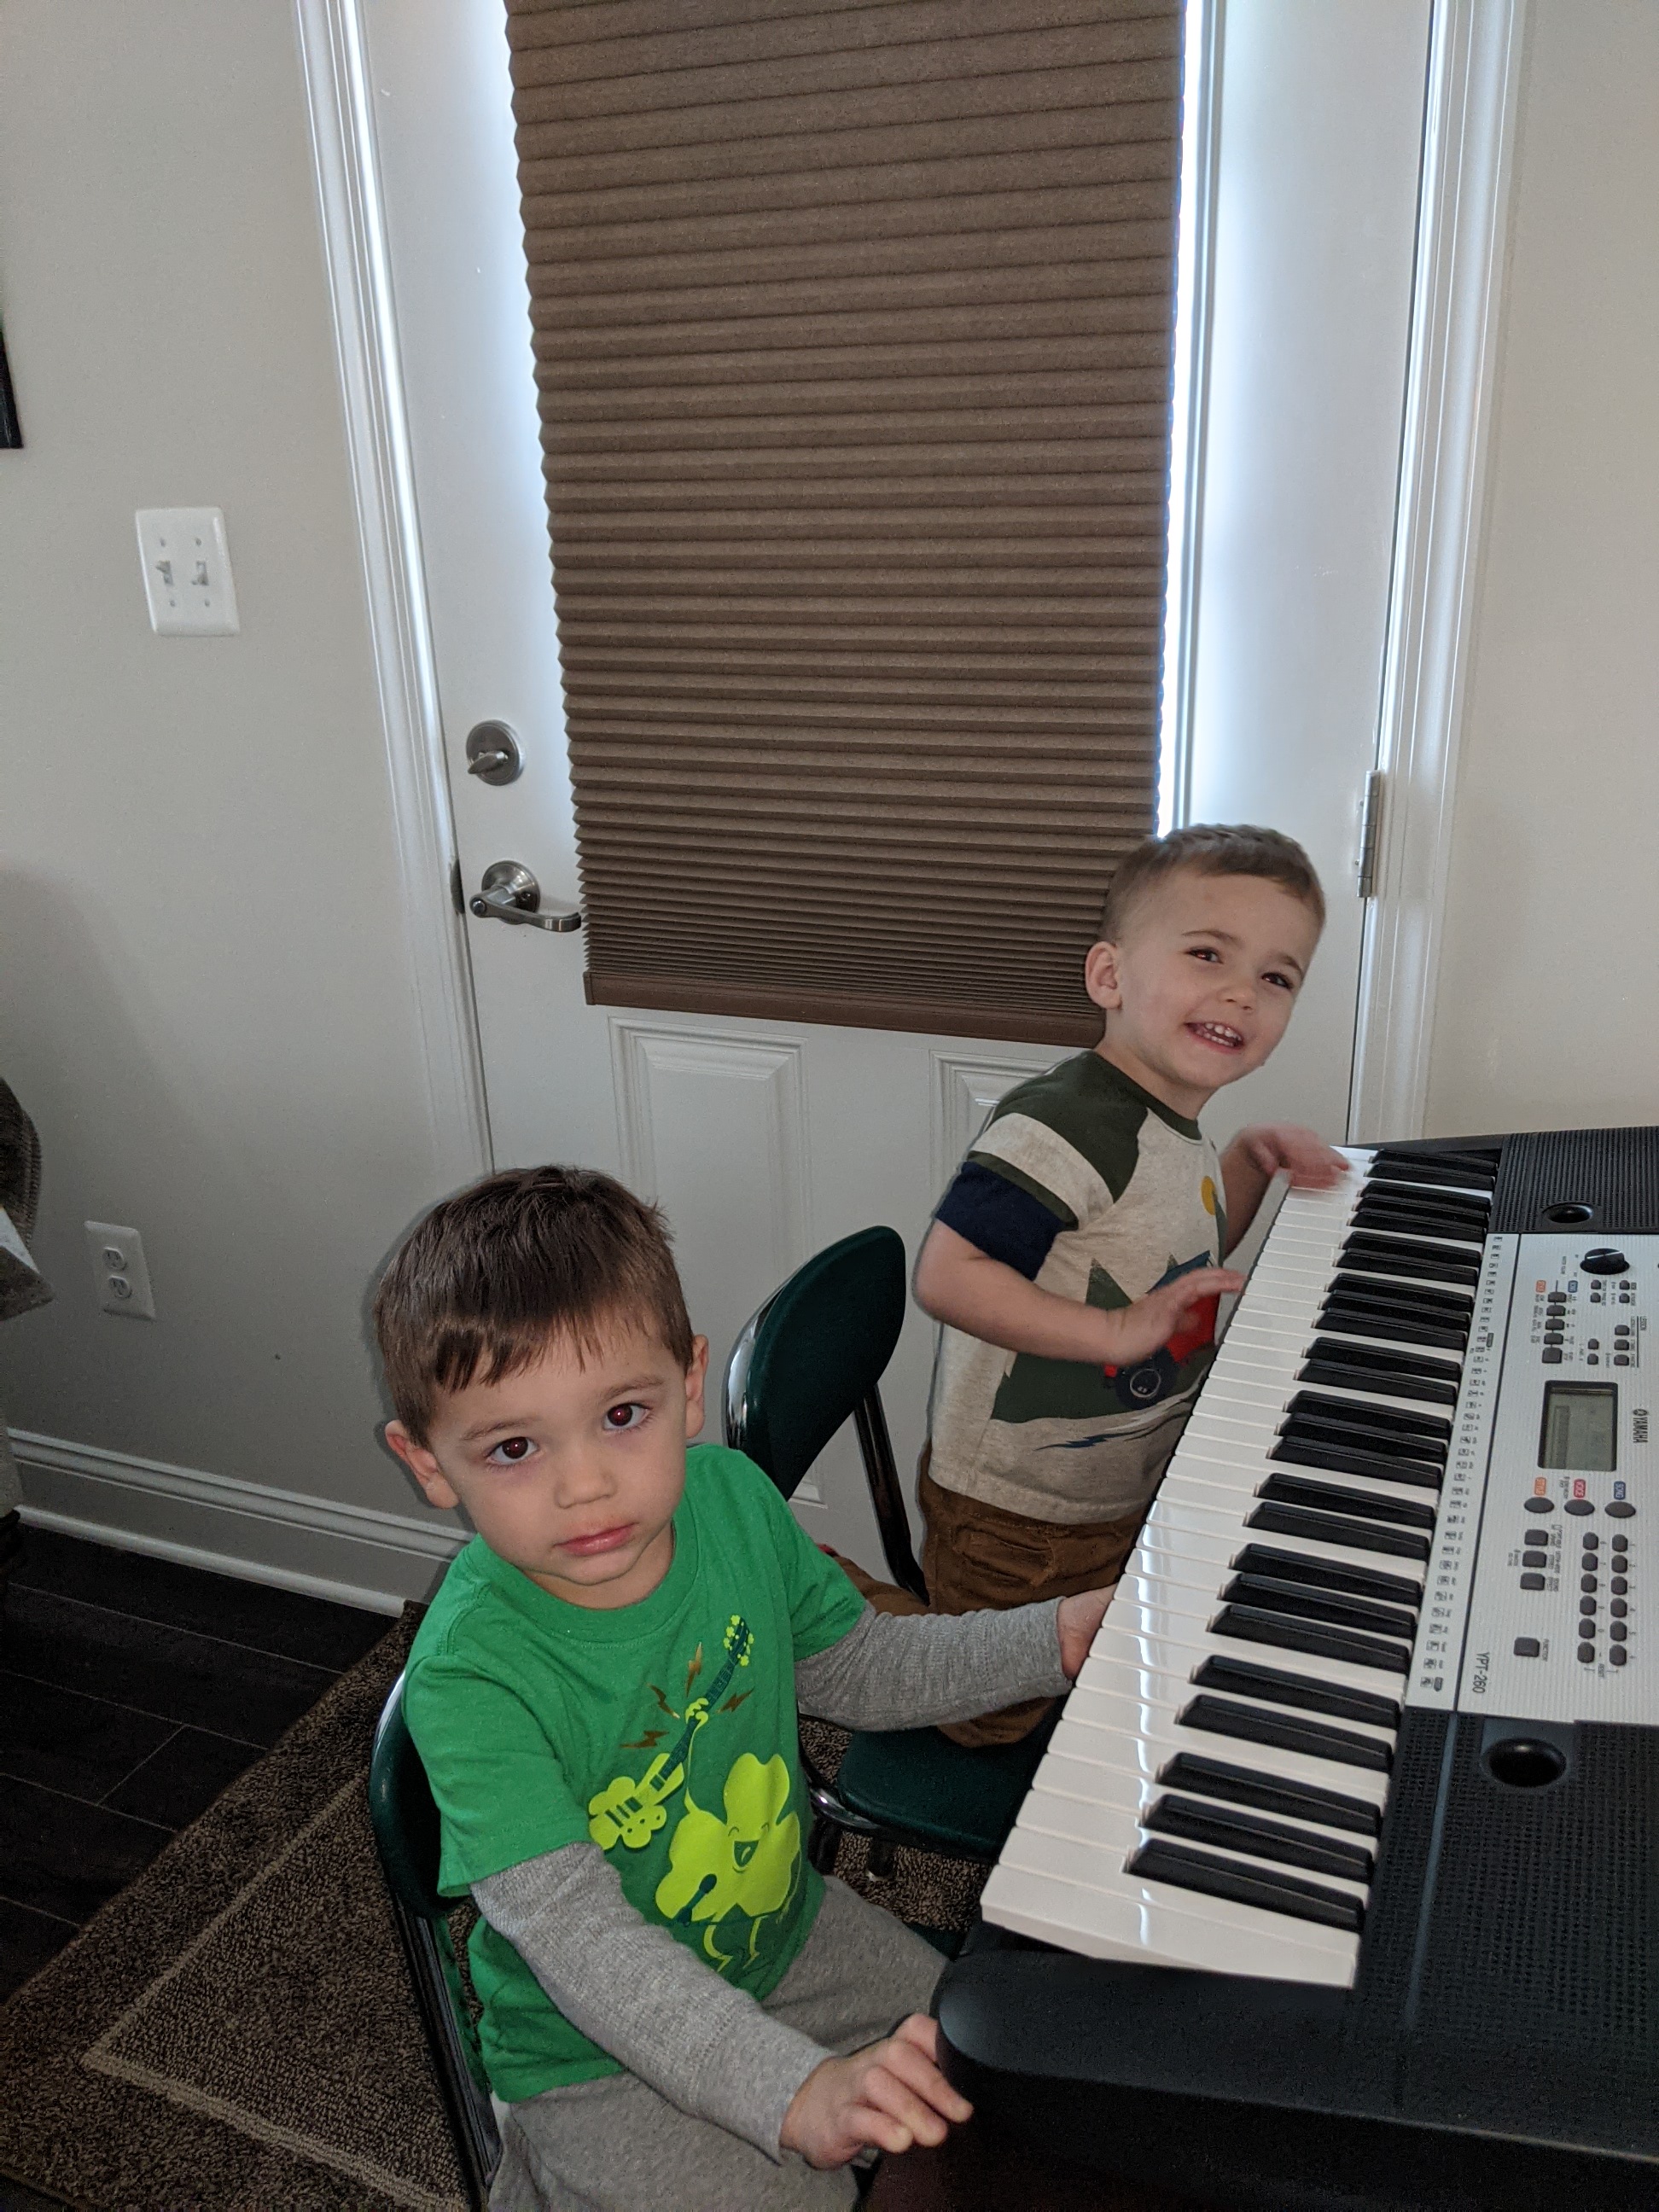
(510,893)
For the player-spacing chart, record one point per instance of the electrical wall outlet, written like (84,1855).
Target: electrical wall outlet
(119,1270)
(187,578)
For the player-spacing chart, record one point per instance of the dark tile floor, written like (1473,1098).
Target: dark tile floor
(132,1690)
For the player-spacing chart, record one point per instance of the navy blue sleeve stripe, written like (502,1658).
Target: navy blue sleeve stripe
(1004,1222)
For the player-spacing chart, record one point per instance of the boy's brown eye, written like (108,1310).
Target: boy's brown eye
(620,1417)
(513,1446)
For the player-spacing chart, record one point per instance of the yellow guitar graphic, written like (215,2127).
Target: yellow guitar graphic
(631,1812)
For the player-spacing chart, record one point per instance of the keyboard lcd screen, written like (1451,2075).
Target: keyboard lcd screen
(1581,1426)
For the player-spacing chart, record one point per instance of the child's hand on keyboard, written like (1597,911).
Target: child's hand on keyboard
(1135,1332)
(1077,1621)
(1309,1162)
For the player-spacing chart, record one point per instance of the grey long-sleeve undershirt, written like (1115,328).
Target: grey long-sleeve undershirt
(653,2004)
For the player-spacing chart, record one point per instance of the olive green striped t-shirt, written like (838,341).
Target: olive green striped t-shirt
(1094,1190)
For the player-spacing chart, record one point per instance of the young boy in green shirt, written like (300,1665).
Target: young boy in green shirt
(680,2013)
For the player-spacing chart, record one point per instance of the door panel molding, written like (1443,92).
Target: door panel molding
(329,33)
(965,1088)
(713,1128)
(1474,74)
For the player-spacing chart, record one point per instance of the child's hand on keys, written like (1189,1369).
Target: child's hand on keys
(1077,1619)
(1135,1332)
(888,2096)
(1308,1159)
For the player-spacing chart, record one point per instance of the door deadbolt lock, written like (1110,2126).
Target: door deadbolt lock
(492,753)
(510,893)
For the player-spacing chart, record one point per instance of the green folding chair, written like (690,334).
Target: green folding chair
(405,1822)
(810,1358)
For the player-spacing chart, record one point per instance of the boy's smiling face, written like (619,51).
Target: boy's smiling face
(571,1470)
(1200,988)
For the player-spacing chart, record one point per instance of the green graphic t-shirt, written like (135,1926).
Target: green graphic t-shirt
(664,1732)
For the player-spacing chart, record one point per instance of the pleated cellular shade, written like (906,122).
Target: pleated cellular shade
(853,327)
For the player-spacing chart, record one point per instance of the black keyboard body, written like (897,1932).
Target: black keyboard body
(1499,2048)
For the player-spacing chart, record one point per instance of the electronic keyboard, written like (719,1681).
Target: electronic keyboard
(1335,1886)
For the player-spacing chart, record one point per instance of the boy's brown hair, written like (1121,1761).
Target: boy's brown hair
(490,1277)
(1210,848)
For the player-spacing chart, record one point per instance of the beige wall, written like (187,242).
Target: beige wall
(204,1000)
(1547,1013)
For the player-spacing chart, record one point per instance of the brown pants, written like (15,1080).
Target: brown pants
(975,1555)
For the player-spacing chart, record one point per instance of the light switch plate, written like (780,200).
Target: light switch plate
(187,580)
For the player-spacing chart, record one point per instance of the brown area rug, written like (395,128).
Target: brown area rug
(235,2031)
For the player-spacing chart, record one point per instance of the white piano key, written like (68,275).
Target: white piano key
(1115,1671)
(1144,1921)
(1118,1834)
(1162,1641)
(1071,1793)
(1172,1693)
(1206,1560)
(1175,1522)
(1120,1839)
(1206,1445)
(1114,1717)
(1217,1466)
(1225,1924)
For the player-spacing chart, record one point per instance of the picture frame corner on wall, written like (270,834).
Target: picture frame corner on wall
(11,430)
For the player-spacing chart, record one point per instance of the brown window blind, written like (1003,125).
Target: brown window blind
(853,327)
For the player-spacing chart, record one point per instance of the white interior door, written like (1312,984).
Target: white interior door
(766,1140)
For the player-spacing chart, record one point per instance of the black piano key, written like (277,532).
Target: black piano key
(1334,1607)
(1286,1732)
(1327,1574)
(1359,1435)
(1396,1420)
(1410,1221)
(1355,1431)
(1445,1201)
(1251,1625)
(1339,1458)
(1351,1320)
(1328,1529)
(1370,1252)
(1389,1363)
(1356,1504)
(1419,1376)
(1242,1678)
(1415,1298)
(1269,1793)
(1216,1877)
(1195,1822)
(1477,1170)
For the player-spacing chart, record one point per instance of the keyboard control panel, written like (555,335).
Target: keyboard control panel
(1536,1607)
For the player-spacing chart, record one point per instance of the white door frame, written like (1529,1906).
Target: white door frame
(330,40)
(1475,51)
(1475,59)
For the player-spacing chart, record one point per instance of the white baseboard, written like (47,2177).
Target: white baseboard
(350,1553)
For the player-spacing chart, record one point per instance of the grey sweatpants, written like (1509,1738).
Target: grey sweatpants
(614,2145)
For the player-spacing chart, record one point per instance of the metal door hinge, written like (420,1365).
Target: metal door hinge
(1370,833)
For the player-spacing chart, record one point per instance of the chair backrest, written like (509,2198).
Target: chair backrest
(813,1356)
(404,1814)
(815,1350)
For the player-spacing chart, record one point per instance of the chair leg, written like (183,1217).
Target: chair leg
(879,1866)
(472,2117)
(823,1845)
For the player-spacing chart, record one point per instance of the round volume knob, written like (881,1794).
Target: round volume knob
(1605,1261)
